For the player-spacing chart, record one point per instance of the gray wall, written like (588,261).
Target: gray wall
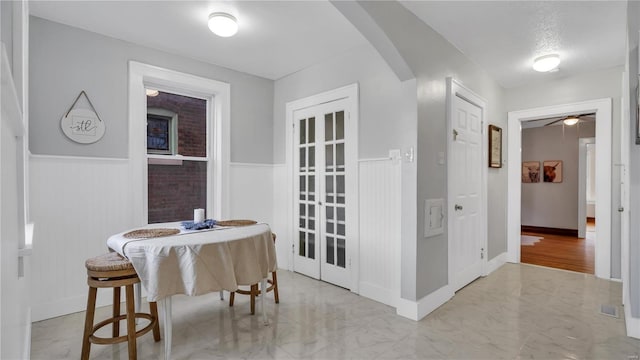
(6,28)
(595,85)
(553,205)
(633,24)
(380,128)
(65,60)
(383,124)
(433,59)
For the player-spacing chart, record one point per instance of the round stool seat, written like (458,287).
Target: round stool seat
(108,262)
(114,271)
(110,270)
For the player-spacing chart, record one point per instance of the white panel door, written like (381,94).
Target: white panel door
(320,188)
(15,323)
(465,186)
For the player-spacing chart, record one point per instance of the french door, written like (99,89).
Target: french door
(324,167)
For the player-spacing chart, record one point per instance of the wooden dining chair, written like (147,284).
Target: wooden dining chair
(254,291)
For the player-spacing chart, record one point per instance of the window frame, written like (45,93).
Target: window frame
(218,95)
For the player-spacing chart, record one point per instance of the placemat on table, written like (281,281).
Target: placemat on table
(236,222)
(150,233)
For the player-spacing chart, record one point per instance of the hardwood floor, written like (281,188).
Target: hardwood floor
(561,252)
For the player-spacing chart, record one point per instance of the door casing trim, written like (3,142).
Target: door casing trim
(582,184)
(603,110)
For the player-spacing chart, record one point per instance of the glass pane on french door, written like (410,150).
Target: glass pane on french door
(334,202)
(307,188)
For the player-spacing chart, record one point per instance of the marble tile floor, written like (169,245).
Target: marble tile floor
(518,312)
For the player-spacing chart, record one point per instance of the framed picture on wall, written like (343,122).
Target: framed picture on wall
(530,172)
(552,171)
(495,146)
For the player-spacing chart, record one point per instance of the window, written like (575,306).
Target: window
(217,95)
(591,173)
(177,157)
(162,131)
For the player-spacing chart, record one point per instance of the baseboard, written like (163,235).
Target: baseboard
(26,352)
(417,310)
(44,311)
(633,324)
(550,231)
(495,263)
(377,293)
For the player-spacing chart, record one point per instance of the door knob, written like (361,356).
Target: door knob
(458,207)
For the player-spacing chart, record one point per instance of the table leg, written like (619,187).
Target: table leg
(166,318)
(138,299)
(263,294)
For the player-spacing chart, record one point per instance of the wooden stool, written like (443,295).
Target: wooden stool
(113,271)
(254,291)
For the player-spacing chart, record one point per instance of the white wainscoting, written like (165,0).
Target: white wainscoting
(282,215)
(251,192)
(76,204)
(257,192)
(380,232)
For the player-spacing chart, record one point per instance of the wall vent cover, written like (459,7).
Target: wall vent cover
(609,310)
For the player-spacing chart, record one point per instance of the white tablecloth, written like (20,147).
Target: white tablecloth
(198,262)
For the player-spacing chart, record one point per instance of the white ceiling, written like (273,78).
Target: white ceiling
(504,37)
(279,38)
(275,38)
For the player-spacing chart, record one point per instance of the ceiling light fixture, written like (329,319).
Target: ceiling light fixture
(223,24)
(571,120)
(152,92)
(546,63)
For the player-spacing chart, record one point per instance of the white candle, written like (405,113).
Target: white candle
(198,215)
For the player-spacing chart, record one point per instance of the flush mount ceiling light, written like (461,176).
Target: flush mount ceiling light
(571,120)
(223,24)
(546,63)
(152,92)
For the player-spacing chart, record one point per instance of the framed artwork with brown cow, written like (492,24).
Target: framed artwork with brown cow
(552,171)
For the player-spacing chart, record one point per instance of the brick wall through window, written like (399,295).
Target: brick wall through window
(192,121)
(175,190)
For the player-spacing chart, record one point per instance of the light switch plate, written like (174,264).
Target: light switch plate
(394,155)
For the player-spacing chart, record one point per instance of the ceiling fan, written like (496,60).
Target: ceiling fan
(569,120)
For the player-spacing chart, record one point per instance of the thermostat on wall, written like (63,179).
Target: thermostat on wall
(433,217)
